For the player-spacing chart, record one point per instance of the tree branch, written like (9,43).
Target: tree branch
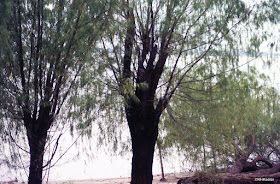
(130,32)
(252,146)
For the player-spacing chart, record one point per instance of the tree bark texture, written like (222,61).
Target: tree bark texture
(142,161)
(37,131)
(36,160)
(144,131)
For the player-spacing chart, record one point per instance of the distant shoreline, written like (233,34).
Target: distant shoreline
(172,178)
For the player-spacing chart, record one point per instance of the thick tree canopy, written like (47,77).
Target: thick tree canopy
(151,50)
(220,117)
(154,47)
(44,47)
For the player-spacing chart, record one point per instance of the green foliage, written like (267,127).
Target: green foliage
(221,110)
(201,39)
(47,48)
(5,11)
(77,46)
(127,87)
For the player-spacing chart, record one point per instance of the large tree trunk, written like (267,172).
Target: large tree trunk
(142,160)
(37,131)
(143,127)
(142,115)
(36,159)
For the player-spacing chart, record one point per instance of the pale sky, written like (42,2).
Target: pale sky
(100,164)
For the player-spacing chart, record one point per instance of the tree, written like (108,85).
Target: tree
(154,45)
(44,47)
(224,123)
(159,146)
(220,117)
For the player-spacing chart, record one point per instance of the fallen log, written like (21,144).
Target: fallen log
(229,178)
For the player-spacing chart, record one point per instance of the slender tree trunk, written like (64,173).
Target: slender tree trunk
(204,157)
(214,159)
(144,132)
(161,162)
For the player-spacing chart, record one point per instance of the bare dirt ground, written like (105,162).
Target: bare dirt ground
(170,179)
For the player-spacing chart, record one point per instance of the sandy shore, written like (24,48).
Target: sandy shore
(170,179)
